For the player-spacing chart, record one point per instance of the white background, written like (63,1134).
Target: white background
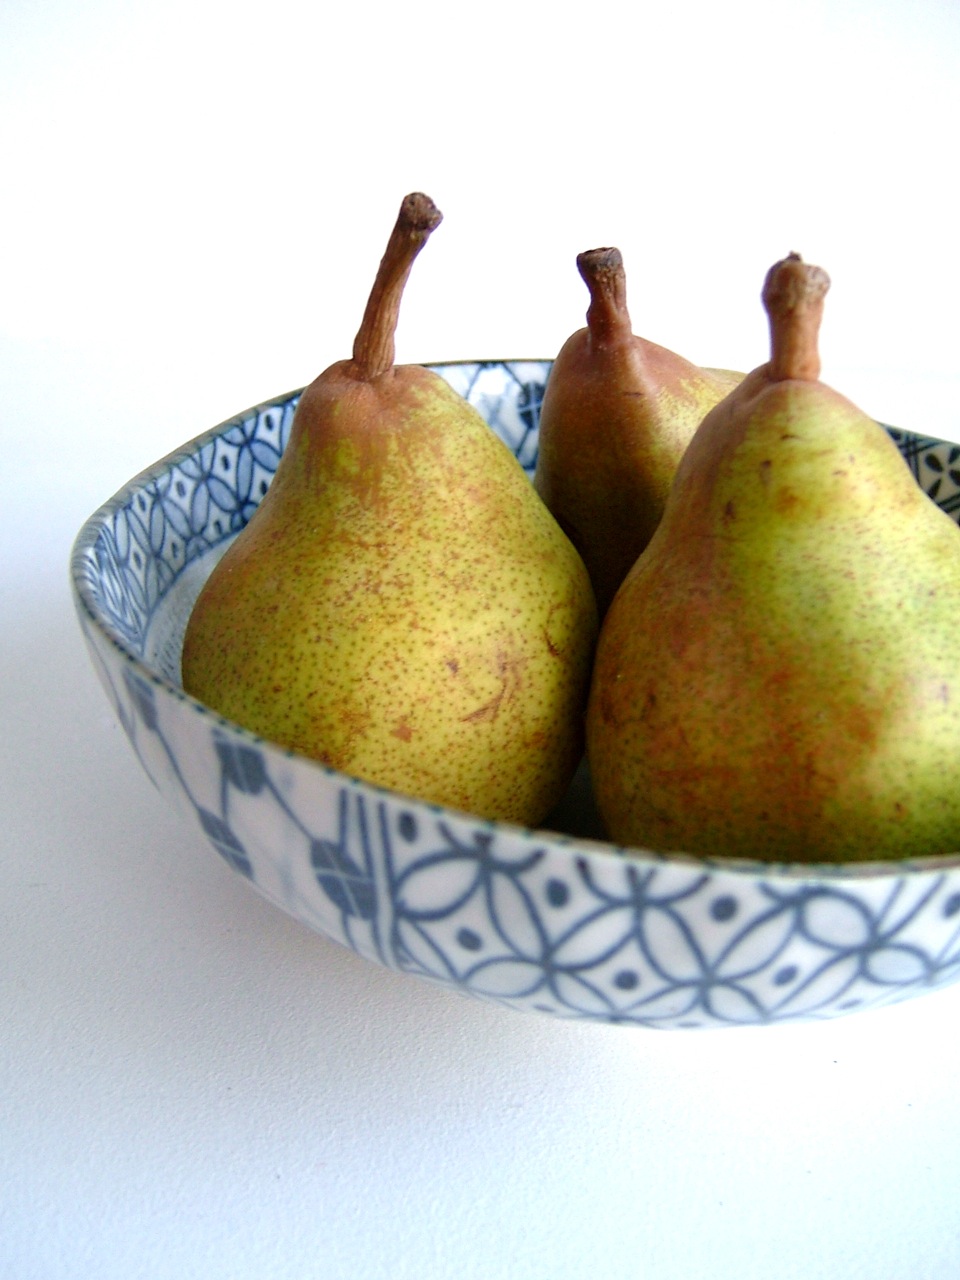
(194,197)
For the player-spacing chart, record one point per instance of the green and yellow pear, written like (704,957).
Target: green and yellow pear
(779,675)
(401,606)
(617,414)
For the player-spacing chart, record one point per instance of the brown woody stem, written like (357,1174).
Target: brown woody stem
(373,349)
(603,274)
(793,294)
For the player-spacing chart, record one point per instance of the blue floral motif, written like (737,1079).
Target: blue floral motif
(224,841)
(524,919)
(143,698)
(347,884)
(241,766)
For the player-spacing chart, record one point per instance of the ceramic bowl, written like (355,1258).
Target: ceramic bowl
(561,923)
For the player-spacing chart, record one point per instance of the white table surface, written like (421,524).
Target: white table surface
(195,195)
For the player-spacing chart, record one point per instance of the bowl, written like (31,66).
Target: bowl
(555,920)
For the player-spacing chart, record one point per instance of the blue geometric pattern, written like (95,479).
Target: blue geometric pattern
(528,919)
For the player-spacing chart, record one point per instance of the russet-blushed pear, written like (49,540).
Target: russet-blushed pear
(779,675)
(618,412)
(402,606)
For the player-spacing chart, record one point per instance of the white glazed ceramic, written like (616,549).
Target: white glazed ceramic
(563,924)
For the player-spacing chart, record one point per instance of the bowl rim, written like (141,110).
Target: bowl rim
(80,558)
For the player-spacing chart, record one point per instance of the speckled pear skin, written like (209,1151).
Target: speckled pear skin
(779,675)
(618,413)
(401,606)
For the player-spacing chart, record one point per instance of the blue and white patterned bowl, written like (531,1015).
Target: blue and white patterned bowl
(560,923)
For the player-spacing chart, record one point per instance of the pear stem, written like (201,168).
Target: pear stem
(373,348)
(793,294)
(603,274)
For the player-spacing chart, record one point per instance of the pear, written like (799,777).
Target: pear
(401,606)
(779,675)
(618,412)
